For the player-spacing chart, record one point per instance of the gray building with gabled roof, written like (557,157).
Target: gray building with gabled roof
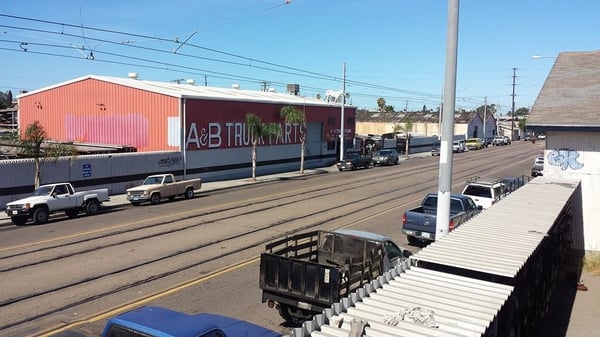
(567,110)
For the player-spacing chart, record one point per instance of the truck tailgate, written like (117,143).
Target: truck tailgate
(310,281)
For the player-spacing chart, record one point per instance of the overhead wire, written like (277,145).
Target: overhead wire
(269,66)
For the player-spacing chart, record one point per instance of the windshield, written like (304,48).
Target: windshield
(43,190)
(152,180)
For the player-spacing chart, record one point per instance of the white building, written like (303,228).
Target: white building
(567,110)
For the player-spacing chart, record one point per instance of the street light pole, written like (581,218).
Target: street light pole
(512,112)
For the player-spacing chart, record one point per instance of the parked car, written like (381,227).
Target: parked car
(354,160)
(459,146)
(385,157)
(507,140)
(538,167)
(435,150)
(162,322)
(541,136)
(474,143)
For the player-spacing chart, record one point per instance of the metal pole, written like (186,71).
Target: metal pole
(445,171)
(484,119)
(342,119)
(512,112)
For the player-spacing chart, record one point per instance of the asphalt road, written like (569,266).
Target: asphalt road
(65,278)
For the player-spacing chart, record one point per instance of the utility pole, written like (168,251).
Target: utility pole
(445,171)
(512,112)
(484,119)
(342,119)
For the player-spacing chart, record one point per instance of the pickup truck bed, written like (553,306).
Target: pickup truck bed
(419,224)
(303,274)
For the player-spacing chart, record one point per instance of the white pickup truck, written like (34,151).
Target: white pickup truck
(51,198)
(160,186)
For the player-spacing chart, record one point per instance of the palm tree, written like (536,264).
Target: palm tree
(258,131)
(292,115)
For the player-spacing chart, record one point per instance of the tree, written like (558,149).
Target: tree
(381,104)
(522,112)
(292,115)
(34,145)
(258,130)
(389,108)
(407,128)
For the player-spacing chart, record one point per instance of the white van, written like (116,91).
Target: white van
(484,192)
(459,146)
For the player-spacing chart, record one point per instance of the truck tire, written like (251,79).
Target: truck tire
(295,316)
(40,216)
(412,240)
(189,193)
(155,199)
(19,220)
(92,207)
(72,213)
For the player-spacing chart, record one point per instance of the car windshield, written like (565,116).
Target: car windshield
(384,153)
(152,180)
(43,190)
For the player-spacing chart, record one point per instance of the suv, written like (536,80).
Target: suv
(385,157)
(484,192)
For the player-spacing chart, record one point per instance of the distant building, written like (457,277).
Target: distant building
(567,110)
(468,124)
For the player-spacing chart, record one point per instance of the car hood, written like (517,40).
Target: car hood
(32,200)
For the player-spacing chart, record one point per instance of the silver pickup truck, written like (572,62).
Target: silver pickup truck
(51,198)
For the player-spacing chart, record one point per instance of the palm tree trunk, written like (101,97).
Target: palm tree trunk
(302,149)
(254,144)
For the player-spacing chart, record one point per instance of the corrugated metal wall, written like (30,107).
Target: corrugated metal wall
(94,111)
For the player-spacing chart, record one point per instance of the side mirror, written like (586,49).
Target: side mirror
(406,253)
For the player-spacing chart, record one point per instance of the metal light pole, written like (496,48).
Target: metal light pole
(445,171)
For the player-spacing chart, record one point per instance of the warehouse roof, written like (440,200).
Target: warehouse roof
(185,90)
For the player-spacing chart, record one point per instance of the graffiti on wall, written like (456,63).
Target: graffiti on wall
(565,158)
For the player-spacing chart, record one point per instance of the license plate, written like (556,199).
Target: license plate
(14,212)
(426,235)
(136,198)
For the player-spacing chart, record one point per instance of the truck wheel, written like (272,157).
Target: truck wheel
(412,240)
(40,216)
(155,199)
(92,207)
(72,213)
(295,316)
(19,220)
(189,193)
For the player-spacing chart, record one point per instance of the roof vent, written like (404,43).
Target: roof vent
(190,81)
(271,89)
(235,86)
(133,76)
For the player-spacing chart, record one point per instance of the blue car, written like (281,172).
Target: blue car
(160,322)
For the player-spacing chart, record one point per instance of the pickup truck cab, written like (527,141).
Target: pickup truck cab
(52,198)
(419,224)
(485,192)
(160,186)
(161,322)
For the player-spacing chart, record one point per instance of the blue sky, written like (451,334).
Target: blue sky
(393,49)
